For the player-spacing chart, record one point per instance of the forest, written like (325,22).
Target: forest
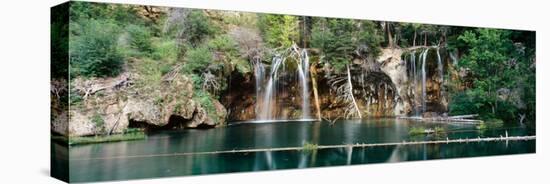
(144,91)
(134,66)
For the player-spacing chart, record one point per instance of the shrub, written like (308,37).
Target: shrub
(198,27)
(279,30)
(307,147)
(229,47)
(205,99)
(166,50)
(338,40)
(140,38)
(98,122)
(197,60)
(417,131)
(223,43)
(150,73)
(93,49)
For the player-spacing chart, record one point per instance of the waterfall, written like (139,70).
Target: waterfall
(413,74)
(453,58)
(424,56)
(259,73)
(267,107)
(269,99)
(441,75)
(421,75)
(303,71)
(439,66)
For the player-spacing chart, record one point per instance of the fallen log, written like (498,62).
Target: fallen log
(463,116)
(357,145)
(444,119)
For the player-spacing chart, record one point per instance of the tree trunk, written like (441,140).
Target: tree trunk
(314,84)
(425,39)
(414,38)
(390,39)
(351,93)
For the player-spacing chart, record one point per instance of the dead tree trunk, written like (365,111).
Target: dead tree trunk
(313,76)
(350,87)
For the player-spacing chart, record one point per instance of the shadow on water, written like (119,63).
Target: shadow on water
(150,157)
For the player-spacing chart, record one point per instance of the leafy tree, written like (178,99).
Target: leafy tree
(495,63)
(93,50)
(279,30)
(197,59)
(119,14)
(338,39)
(140,38)
(198,27)
(60,41)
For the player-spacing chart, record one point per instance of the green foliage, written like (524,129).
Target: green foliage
(279,30)
(140,38)
(417,131)
(309,147)
(340,38)
(242,66)
(197,81)
(75,99)
(469,102)
(334,38)
(241,19)
(59,43)
(206,100)
(98,122)
(165,49)
(490,124)
(225,45)
(197,60)
(150,74)
(198,27)
(129,135)
(370,37)
(495,63)
(93,50)
(439,130)
(119,14)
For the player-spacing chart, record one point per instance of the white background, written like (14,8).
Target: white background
(24,91)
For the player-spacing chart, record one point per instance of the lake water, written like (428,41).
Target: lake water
(162,154)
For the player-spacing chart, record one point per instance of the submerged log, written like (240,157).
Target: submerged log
(463,116)
(460,119)
(357,145)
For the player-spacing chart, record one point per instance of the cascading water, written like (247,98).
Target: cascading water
(259,73)
(439,66)
(441,75)
(266,113)
(266,107)
(419,93)
(413,75)
(424,56)
(303,70)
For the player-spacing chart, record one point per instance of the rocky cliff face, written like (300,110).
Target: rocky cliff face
(114,108)
(382,87)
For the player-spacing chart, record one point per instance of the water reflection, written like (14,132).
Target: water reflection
(151,157)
